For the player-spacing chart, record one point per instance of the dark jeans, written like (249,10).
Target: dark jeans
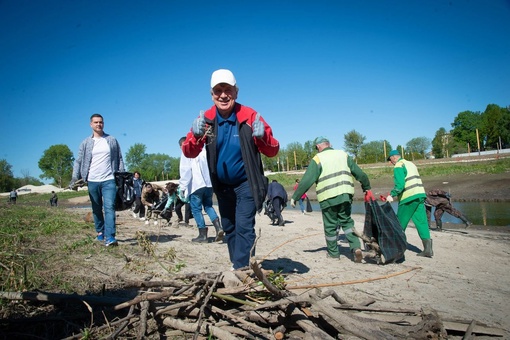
(139,207)
(277,206)
(237,211)
(187,210)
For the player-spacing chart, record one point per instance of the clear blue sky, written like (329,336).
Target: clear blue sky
(391,70)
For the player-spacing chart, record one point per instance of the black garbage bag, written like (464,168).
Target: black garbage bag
(269,210)
(381,224)
(125,191)
(308,205)
(160,205)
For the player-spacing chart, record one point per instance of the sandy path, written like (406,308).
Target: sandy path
(468,277)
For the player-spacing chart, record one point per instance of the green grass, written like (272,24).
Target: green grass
(43,248)
(30,237)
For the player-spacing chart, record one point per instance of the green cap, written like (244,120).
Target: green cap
(320,139)
(393,153)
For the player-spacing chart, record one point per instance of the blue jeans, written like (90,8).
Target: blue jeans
(301,205)
(102,196)
(237,210)
(202,198)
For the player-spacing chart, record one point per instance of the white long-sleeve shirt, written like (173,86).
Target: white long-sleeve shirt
(194,173)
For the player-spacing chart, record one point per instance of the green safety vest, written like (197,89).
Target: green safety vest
(335,178)
(413,185)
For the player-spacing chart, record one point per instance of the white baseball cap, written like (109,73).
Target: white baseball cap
(222,76)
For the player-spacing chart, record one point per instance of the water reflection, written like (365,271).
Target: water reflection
(479,213)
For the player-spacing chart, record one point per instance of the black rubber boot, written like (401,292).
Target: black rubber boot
(202,236)
(427,251)
(281,221)
(439,225)
(219,230)
(465,220)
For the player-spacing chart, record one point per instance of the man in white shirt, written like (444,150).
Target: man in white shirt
(98,159)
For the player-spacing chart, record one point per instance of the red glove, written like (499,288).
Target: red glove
(382,198)
(369,196)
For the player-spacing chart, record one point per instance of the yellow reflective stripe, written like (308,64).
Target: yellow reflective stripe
(338,173)
(334,185)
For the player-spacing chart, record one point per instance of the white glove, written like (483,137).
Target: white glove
(258,127)
(198,126)
(292,203)
(389,199)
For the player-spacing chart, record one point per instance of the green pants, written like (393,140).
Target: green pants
(333,217)
(414,210)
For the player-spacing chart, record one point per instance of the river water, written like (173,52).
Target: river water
(479,213)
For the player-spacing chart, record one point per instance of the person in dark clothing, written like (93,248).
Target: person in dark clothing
(277,194)
(139,208)
(13,196)
(53,199)
(151,195)
(441,200)
(179,203)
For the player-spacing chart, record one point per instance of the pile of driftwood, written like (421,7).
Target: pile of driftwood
(248,304)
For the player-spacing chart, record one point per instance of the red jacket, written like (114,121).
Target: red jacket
(251,148)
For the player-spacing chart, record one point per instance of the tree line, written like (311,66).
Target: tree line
(471,132)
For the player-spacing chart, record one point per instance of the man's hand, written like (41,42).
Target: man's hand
(198,126)
(292,203)
(258,127)
(369,196)
(389,199)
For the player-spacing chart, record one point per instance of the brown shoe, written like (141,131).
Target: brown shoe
(358,256)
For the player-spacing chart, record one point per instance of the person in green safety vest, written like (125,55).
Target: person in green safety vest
(411,199)
(332,171)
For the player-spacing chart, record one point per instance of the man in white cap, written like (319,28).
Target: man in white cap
(234,136)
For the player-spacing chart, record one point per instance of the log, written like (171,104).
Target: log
(343,321)
(143,319)
(377,309)
(250,326)
(430,324)
(449,324)
(205,329)
(294,299)
(311,330)
(469,332)
(55,298)
(147,296)
(269,286)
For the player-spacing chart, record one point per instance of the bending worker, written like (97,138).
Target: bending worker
(440,199)
(411,199)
